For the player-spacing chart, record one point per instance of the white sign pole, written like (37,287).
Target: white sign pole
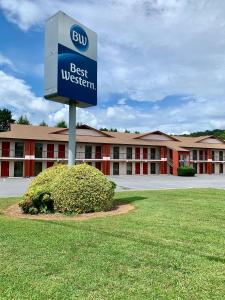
(72,134)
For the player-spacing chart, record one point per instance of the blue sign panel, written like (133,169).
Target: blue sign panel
(70,62)
(77,76)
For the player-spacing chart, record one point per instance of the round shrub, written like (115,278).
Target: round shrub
(82,189)
(42,182)
(185,171)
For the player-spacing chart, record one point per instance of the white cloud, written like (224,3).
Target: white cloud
(147,51)
(122,101)
(192,113)
(5,61)
(16,94)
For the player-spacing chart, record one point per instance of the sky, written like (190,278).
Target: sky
(161,63)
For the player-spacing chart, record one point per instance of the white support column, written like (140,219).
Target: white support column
(72,135)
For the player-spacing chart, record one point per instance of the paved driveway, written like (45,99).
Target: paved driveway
(155,182)
(11,187)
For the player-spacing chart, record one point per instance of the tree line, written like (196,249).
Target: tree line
(6,118)
(220,133)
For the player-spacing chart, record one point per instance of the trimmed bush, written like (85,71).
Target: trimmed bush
(42,182)
(186,171)
(82,189)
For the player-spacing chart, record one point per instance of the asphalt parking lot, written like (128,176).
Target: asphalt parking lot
(10,187)
(156,182)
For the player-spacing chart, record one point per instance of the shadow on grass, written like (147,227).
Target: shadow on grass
(131,199)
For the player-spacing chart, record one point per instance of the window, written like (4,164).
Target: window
(61,151)
(98,152)
(38,150)
(116,169)
(221,168)
(153,168)
(152,153)
(18,169)
(50,150)
(37,167)
(213,155)
(206,155)
(5,149)
(129,168)
(213,168)
(221,155)
(200,155)
(129,152)
(88,151)
(195,155)
(19,149)
(116,152)
(183,160)
(145,153)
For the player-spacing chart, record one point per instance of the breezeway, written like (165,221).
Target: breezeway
(10,187)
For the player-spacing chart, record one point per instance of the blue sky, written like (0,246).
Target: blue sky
(161,64)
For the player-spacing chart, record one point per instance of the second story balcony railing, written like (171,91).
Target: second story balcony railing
(80,155)
(133,156)
(198,157)
(11,153)
(218,157)
(215,157)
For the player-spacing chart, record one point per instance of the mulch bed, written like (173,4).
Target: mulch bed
(14,211)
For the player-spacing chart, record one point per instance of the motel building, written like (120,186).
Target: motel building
(26,150)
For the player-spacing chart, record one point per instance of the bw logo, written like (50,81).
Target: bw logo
(79,37)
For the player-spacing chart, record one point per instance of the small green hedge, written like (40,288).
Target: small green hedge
(41,202)
(77,189)
(186,171)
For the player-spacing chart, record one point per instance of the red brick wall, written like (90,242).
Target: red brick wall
(175,162)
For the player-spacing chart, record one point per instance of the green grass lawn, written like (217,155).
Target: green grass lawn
(172,246)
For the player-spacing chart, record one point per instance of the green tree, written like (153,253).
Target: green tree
(127,131)
(61,124)
(5,119)
(104,129)
(23,120)
(43,123)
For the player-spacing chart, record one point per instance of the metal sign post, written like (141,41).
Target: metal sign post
(72,134)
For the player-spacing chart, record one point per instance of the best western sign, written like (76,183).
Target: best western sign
(70,62)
